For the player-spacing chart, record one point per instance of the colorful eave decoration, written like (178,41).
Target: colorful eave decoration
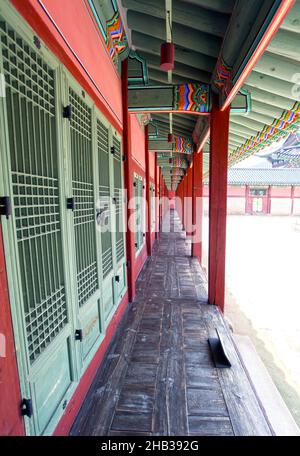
(222,76)
(288,123)
(116,36)
(183,145)
(191,97)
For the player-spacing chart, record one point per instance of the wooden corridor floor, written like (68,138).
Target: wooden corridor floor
(158,377)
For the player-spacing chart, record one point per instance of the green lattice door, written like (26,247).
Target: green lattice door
(34,234)
(118,211)
(84,244)
(139,213)
(104,213)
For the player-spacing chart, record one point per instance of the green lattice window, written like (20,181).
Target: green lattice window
(152,199)
(139,213)
(104,197)
(118,198)
(30,102)
(83,193)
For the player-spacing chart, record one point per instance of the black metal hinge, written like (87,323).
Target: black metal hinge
(78,335)
(134,184)
(112,150)
(67,112)
(26,408)
(124,158)
(117,278)
(114,200)
(5,206)
(71,204)
(128,264)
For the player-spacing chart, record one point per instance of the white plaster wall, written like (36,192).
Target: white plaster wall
(236,206)
(281,206)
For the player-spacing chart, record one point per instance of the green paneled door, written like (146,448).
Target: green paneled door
(118,200)
(63,175)
(34,234)
(139,213)
(84,184)
(104,214)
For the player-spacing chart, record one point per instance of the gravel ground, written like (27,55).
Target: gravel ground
(263,294)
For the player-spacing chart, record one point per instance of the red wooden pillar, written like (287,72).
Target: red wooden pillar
(148,194)
(189,206)
(156,196)
(197,204)
(219,127)
(128,181)
(11,422)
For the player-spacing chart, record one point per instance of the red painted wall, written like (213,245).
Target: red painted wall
(280,192)
(11,422)
(296,192)
(233,190)
(152,165)
(138,143)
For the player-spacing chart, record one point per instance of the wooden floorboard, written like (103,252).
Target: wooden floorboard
(158,376)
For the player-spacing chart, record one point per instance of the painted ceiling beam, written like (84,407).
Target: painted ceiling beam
(182,146)
(237,137)
(277,66)
(270,98)
(163,126)
(292,21)
(170,99)
(263,110)
(177,119)
(251,28)
(240,129)
(194,40)
(186,14)
(286,44)
(272,85)
(194,59)
(160,77)
(180,69)
(246,121)
(186,72)
(260,117)
(222,6)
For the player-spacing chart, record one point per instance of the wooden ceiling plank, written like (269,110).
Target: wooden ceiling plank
(188,15)
(193,39)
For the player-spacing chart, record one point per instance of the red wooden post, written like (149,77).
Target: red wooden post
(11,422)
(197,204)
(156,195)
(148,194)
(219,127)
(128,181)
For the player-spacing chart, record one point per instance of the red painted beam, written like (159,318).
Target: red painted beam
(11,422)
(128,182)
(148,195)
(197,204)
(219,127)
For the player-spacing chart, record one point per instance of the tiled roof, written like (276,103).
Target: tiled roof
(264,176)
